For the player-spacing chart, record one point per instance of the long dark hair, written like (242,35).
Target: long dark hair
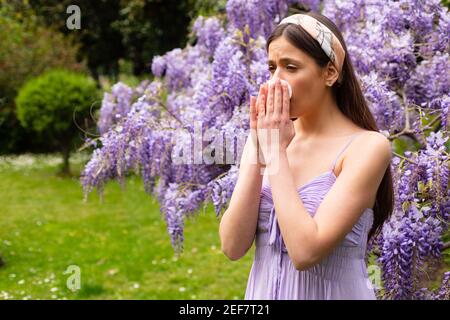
(349,98)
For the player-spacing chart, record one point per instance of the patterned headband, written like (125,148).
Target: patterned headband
(326,39)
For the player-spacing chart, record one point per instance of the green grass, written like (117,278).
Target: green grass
(121,245)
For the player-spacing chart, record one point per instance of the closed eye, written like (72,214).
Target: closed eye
(289,67)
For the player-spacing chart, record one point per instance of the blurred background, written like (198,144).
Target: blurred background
(116,41)
(120,244)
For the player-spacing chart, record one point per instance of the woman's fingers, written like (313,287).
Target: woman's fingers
(261,103)
(277,102)
(265,88)
(286,103)
(262,107)
(270,95)
(253,124)
(253,112)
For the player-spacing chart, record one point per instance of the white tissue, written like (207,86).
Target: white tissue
(272,81)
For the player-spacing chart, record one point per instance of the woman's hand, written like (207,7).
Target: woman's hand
(275,130)
(255,105)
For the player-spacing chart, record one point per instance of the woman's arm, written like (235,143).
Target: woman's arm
(238,224)
(309,239)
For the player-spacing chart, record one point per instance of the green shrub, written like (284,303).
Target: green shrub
(53,104)
(27,49)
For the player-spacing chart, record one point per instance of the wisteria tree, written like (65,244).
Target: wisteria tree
(182,131)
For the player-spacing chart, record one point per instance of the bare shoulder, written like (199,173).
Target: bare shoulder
(375,140)
(373,145)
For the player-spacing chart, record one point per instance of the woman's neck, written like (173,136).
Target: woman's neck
(325,120)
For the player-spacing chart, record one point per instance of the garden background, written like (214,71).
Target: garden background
(94,94)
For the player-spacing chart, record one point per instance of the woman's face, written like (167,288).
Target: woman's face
(301,71)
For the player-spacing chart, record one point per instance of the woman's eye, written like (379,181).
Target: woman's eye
(289,67)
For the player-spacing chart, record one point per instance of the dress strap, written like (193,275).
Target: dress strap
(345,147)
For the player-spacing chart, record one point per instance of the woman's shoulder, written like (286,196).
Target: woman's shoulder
(372,137)
(371,142)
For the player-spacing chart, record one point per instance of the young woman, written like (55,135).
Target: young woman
(327,187)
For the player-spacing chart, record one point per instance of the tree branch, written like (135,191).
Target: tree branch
(376,252)
(446,246)
(400,156)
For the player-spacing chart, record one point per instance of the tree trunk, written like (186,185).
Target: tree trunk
(65,169)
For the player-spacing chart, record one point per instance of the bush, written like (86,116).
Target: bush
(53,104)
(27,49)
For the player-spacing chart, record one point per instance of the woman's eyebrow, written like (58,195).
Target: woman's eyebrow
(286,60)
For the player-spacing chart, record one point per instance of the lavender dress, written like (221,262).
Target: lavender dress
(341,275)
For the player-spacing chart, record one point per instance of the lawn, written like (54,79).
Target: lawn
(121,246)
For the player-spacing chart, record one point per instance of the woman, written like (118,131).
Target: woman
(327,187)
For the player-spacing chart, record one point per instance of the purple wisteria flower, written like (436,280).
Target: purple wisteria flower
(209,32)
(159,66)
(400,51)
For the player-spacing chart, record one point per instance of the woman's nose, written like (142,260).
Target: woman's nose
(276,74)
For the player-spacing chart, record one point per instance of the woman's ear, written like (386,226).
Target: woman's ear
(331,74)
